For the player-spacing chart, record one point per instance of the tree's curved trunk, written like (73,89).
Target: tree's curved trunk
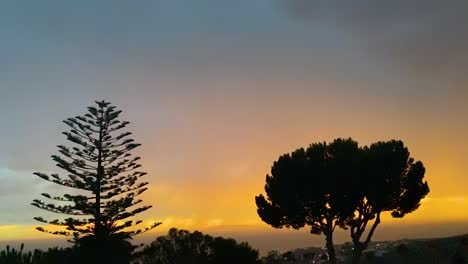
(330,247)
(357,253)
(359,247)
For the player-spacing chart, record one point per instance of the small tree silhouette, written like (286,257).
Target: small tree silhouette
(182,246)
(390,181)
(311,187)
(104,174)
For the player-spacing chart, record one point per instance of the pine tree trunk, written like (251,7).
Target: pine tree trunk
(100,174)
(357,253)
(359,247)
(330,248)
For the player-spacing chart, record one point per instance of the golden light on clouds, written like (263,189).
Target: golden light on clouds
(4,228)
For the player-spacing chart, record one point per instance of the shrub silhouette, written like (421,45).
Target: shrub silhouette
(273,257)
(11,255)
(402,249)
(184,247)
(102,170)
(51,256)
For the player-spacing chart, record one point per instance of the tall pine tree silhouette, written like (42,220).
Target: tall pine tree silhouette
(104,175)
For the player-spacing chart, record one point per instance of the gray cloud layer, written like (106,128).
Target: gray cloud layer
(424,36)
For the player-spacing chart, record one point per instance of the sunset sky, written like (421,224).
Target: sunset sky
(217,90)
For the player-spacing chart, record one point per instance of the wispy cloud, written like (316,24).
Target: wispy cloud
(215,222)
(173,221)
(448,199)
(7,227)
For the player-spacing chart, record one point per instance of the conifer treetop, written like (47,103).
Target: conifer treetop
(104,174)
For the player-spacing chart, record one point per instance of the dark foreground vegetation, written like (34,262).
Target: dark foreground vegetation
(181,246)
(178,246)
(453,250)
(450,250)
(184,247)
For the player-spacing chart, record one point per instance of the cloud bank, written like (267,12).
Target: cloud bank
(421,36)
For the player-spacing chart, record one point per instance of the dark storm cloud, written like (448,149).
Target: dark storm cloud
(425,36)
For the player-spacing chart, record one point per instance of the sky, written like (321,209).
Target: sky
(217,90)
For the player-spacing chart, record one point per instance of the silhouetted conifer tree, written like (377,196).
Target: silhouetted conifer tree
(105,177)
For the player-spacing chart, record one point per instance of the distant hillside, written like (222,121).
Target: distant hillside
(450,250)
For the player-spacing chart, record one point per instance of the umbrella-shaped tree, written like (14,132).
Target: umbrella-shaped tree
(310,187)
(390,181)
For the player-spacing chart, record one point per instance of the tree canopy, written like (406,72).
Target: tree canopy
(391,181)
(341,184)
(182,246)
(310,187)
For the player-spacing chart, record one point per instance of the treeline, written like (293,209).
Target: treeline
(178,246)
(52,255)
(181,246)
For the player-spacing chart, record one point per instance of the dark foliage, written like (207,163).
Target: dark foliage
(391,181)
(105,177)
(184,247)
(402,249)
(448,250)
(290,257)
(51,256)
(273,257)
(115,249)
(342,184)
(312,188)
